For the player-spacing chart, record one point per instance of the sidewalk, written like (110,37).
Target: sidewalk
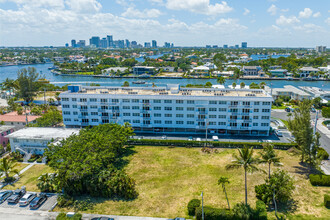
(322,128)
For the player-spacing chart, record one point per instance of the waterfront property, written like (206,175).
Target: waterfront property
(170,109)
(34,140)
(251,70)
(4,131)
(140,70)
(308,72)
(279,72)
(288,90)
(13,118)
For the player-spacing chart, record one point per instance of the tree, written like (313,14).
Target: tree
(262,85)
(49,119)
(46,182)
(244,160)
(57,96)
(269,156)
(234,85)
(7,166)
(126,84)
(222,181)
(242,85)
(27,80)
(221,80)
(219,59)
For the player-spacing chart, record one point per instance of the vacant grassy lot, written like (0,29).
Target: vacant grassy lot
(29,178)
(167,178)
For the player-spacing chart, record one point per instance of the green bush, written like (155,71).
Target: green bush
(83,205)
(261,210)
(64,201)
(319,179)
(62,216)
(39,160)
(213,214)
(185,143)
(242,211)
(326,112)
(327,201)
(192,205)
(32,160)
(322,154)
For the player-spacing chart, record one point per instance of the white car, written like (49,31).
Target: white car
(164,137)
(215,138)
(198,139)
(27,198)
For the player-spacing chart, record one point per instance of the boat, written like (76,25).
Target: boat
(139,82)
(52,67)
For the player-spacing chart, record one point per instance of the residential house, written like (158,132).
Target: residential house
(4,131)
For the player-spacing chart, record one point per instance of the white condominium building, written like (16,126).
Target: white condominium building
(170,109)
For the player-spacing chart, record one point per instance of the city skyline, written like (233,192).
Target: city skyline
(267,23)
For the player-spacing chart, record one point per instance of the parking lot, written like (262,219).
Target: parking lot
(46,206)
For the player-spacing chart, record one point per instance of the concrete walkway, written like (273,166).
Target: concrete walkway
(26,168)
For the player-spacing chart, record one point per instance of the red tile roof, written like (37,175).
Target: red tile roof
(14,117)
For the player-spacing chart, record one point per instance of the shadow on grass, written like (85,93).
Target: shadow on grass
(123,161)
(305,169)
(288,208)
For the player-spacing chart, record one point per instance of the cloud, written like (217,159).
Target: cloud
(146,13)
(246,11)
(317,14)
(199,6)
(282,20)
(306,13)
(272,10)
(84,5)
(38,3)
(327,21)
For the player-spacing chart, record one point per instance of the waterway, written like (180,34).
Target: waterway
(11,73)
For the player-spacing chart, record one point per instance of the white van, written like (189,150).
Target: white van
(215,138)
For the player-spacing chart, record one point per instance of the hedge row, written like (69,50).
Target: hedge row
(327,201)
(214,214)
(319,179)
(185,143)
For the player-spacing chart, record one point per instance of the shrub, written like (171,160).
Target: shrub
(192,205)
(242,211)
(64,201)
(213,214)
(319,179)
(327,201)
(83,205)
(39,160)
(322,154)
(62,216)
(326,112)
(261,210)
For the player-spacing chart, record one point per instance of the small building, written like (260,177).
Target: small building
(251,70)
(288,90)
(4,131)
(308,71)
(279,72)
(140,70)
(168,69)
(13,118)
(34,140)
(201,70)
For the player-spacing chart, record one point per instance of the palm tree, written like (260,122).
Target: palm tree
(222,181)
(246,160)
(269,156)
(7,166)
(242,85)
(234,85)
(221,80)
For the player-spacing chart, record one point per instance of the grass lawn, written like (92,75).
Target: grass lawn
(167,178)
(19,167)
(29,178)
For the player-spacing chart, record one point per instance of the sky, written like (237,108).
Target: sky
(261,23)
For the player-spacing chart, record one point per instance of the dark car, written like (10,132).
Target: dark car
(287,109)
(4,195)
(38,201)
(17,195)
(102,218)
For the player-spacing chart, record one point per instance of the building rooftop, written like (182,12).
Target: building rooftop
(43,133)
(171,90)
(6,128)
(309,69)
(289,88)
(14,117)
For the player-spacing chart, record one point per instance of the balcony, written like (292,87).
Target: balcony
(245,113)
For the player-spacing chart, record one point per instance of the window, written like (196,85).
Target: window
(75,113)
(158,115)
(167,101)
(157,122)
(95,120)
(84,107)
(157,108)
(126,100)
(103,107)
(157,101)
(74,99)
(264,117)
(233,103)
(135,101)
(74,106)
(136,121)
(213,116)
(127,120)
(168,115)
(67,119)
(84,120)
(83,100)
(265,103)
(265,110)
(190,102)
(212,123)
(179,122)
(179,101)
(256,103)
(179,108)
(168,122)
(65,99)
(264,124)
(190,109)
(179,115)
(127,114)
(212,102)
(233,124)
(147,101)
(190,115)
(255,117)
(65,106)
(222,116)
(93,100)
(221,123)
(76,119)
(245,110)
(94,113)
(212,109)
(115,100)
(256,110)
(246,103)
(190,122)
(84,113)
(135,107)
(255,124)
(222,103)
(66,113)
(94,106)
(146,122)
(223,109)
(126,107)
(168,108)
(136,114)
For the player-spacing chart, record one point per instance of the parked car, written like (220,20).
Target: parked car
(4,195)
(313,110)
(198,139)
(278,133)
(102,218)
(27,198)
(17,195)
(215,138)
(269,141)
(190,138)
(38,201)
(288,109)
(164,137)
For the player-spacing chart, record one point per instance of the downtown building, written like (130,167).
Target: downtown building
(170,109)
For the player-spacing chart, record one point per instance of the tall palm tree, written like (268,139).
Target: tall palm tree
(7,166)
(222,181)
(221,80)
(269,156)
(244,160)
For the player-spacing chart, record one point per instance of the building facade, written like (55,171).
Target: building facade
(170,109)
(4,131)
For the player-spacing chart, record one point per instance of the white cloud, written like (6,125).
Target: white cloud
(327,21)
(317,14)
(282,20)
(246,11)
(84,5)
(199,6)
(272,10)
(39,3)
(146,13)
(306,13)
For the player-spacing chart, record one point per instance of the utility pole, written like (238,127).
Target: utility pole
(202,206)
(45,96)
